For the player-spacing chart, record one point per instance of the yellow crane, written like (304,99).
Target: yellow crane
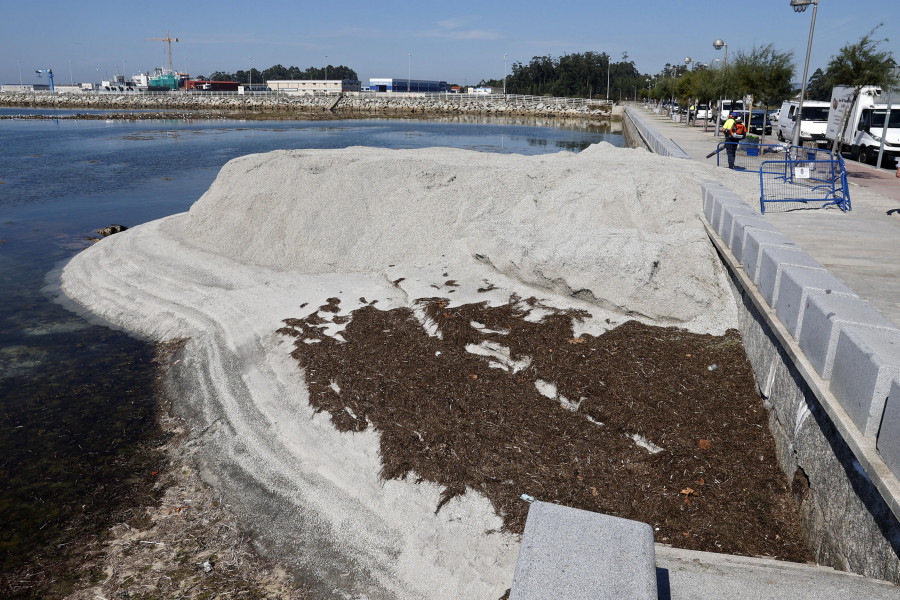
(168,39)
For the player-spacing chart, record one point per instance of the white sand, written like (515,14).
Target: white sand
(615,232)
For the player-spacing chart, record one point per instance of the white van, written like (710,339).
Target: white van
(812,124)
(865,123)
(724,107)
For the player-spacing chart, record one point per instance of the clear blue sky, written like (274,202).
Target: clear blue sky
(458,41)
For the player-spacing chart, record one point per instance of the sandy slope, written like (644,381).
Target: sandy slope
(615,232)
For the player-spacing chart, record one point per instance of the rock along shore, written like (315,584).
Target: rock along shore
(321,107)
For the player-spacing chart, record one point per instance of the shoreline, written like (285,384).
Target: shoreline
(191,539)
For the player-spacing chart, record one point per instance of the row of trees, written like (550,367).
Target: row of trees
(282,72)
(765,73)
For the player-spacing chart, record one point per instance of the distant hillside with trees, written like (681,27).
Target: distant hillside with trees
(581,75)
(282,72)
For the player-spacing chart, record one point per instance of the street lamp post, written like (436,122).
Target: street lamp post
(20,74)
(800,6)
(689,62)
(408,72)
(718,45)
(249,73)
(607,78)
(504,74)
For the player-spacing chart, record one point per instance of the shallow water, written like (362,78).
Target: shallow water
(76,398)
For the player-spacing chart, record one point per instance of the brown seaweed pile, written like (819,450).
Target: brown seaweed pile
(654,424)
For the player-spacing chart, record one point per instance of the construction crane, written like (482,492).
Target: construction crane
(49,73)
(168,40)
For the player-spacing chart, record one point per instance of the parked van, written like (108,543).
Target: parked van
(865,123)
(812,124)
(724,107)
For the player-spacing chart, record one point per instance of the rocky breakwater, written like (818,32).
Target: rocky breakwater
(457,104)
(173,101)
(306,106)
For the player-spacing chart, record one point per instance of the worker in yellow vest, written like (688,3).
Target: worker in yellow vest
(734,131)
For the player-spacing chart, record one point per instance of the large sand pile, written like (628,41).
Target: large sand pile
(610,231)
(616,227)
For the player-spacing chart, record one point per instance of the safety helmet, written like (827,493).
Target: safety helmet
(730,115)
(739,118)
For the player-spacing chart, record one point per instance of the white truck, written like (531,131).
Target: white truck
(812,122)
(860,128)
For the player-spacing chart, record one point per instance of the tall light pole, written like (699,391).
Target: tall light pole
(249,73)
(326,71)
(408,72)
(504,74)
(718,45)
(607,78)
(20,73)
(800,6)
(689,62)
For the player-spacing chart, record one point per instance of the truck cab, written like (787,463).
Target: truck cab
(866,137)
(860,124)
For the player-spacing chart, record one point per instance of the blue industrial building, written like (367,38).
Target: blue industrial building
(406,85)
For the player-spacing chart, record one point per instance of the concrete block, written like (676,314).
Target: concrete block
(709,190)
(865,363)
(773,260)
(824,315)
(726,221)
(723,199)
(888,443)
(795,284)
(739,227)
(754,242)
(576,554)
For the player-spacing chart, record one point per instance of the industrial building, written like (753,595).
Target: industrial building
(211,86)
(313,86)
(406,85)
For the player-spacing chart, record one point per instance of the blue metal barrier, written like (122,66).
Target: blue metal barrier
(805,175)
(792,173)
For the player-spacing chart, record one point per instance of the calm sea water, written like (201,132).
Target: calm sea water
(75,398)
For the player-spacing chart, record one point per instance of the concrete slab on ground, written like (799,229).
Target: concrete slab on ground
(687,574)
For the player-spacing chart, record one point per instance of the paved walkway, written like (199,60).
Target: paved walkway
(861,247)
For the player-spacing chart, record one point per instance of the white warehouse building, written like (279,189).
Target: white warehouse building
(313,86)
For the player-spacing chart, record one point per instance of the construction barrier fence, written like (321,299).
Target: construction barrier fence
(791,174)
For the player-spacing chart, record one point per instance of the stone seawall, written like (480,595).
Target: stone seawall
(306,106)
(847,494)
